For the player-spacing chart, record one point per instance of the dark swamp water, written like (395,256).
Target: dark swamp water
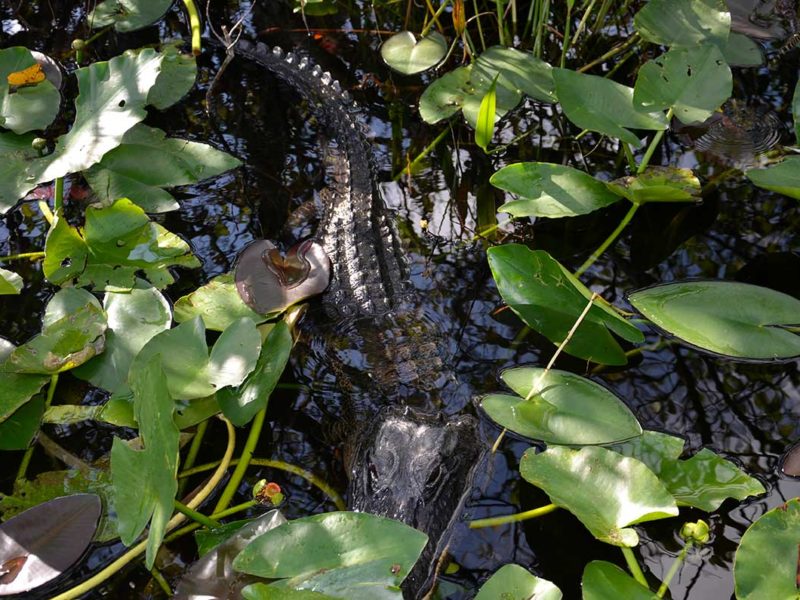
(747,412)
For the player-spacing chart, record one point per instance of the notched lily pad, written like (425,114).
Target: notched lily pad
(404,53)
(269,283)
(658,184)
(218,303)
(41,543)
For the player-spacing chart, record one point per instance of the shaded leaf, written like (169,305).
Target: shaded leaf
(18,388)
(512,582)
(177,77)
(658,184)
(127,15)
(26,106)
(10,282)
(16,153)
(603,581)
(404,53)
(218,303)
(18,430)
(783,177)
(604,490)
(684,22)
(741,51)
(262,591)
(733,319)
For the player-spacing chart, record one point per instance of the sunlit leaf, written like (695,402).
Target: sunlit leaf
(693,82)
(484,129)
(404,53)
(146,162)
(10,282)
(28,100)
(684,22)
(550,190)
(262,591)
(127,15)
(604,581)
(145,480)
(336,553)
(218,303)
(658,184)
(567,408)
(766,559)
(177,77)
(783,177)
(516,70)
(46,539)
(733,319)
(549,299)
(512,582)
(607,492)
(610,110)
(118,410)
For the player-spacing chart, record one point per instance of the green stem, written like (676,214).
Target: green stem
(582,23)
(633,566)
(611,53)
(629,156)
(191,456)
(434,19)
(565,45)
(28,255)
(162,583)
(609,240)
(100,33)
(428,149)
(676,565)
(500,28)
(196,516)
(515,518)
(653,145)
(26,458)
(58,196)
(46,212)
(178,533)
(194,23)
(244,461)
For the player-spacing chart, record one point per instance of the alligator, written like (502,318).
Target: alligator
(405,458)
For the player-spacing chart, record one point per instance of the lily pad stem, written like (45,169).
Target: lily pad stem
(162,583)
(58,195)
(196,516)
(191,456)
(653,145)
(567,43)
(194,23)
(673,569)
(633,566)
(26,458)
(28,255)
(515,518)
(421,155)
(608,241)
(244,461)
(434,18)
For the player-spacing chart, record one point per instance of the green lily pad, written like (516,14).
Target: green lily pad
(144,481)
(10,282)
(177,77)
(783,178)
(603,581)
(218,303)
(117,243)
(607,492)
(516,70)
(16,153)
(146,162)
(30,106)
(736,320)
(118,410)
(335,553)
(512,582)
(133,319)
(128,15)
(262,591)
(693,82)
(404,53)
(611,109)
(741,51)
(17,431)
(765,567)
(658,184)
(549,300)
(550,190)
(684,22)
(241,404)
(567,409)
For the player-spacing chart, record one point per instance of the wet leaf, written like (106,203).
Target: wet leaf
(28,100)
(242,403)
(568,409)
(783,177)
(512,582)
(733,319)
(146,162)
(213,576)
(344,554)
(766,564)
(484,129)
(693,82)
(18,429)
(145,480)
(550,190)
(10,283)
(127,15)
(218,303)
(684,22)
(611,109)
(549,299)
(658,184)
(404,53)
(133,319)
(603,581)
(46,540)
(117,243)
(607,492)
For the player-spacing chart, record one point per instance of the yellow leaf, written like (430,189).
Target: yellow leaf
(30,76)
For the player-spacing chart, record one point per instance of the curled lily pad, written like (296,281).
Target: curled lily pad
(42,542)
(658,184)
(270,283)
(404,53)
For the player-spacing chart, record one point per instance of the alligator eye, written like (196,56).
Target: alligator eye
(436,478)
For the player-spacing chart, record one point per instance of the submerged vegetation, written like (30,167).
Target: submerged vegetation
(496,75)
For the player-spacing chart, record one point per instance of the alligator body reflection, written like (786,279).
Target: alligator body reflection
(406,460)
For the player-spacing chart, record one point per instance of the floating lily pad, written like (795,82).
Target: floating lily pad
(603,581)
(684,22)
(10,282)
(516,70)
(177,77)
(658,184)
(693,82)
(18,429)
(218,303)
(741,51)
(736,320)
(766,559)
(28,100)
(549,300)
(41,543)
(128,15)
(408,55)
(565,409)
(550,190)
(607,492)
(783,178)
(512,582)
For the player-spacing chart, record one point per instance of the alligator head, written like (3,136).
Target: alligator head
(417,468)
